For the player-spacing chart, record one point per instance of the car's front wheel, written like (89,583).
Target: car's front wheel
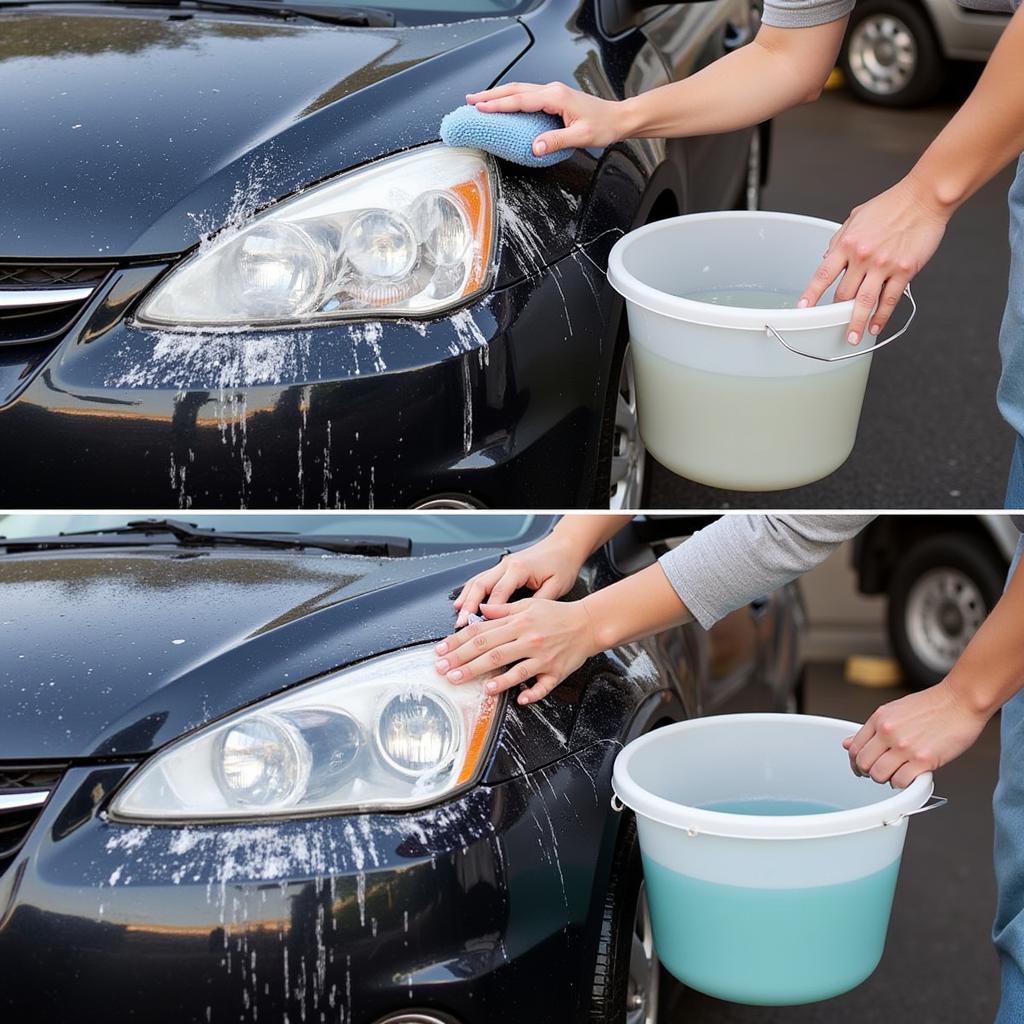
(890,55)
(629,983)
(622,459)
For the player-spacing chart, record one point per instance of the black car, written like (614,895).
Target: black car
(237,269)
(232,787)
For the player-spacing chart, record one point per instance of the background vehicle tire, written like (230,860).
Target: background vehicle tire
(622,457)
(890,55)
(630,986)
(939,594)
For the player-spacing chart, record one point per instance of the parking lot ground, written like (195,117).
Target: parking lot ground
(930,434)
(939,966)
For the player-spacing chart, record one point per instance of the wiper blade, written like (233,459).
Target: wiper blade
(188,534)
(367,17)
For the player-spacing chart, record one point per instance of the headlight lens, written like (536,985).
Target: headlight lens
(409,234)
(416,734)
(388,733)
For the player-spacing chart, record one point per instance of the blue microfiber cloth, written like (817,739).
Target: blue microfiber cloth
(509,136)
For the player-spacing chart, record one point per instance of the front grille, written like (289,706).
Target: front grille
(50,275)
(16,823)
(39,301)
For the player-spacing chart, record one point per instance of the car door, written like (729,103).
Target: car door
(688,37)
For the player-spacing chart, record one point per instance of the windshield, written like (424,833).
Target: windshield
(454,528)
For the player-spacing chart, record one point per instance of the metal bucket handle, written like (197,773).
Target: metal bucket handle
(932,804)
(851,355)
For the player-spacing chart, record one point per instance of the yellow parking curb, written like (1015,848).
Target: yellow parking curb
(874,673)
(835,80)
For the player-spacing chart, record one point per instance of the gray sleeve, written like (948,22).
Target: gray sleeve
(740,558)
(804,13)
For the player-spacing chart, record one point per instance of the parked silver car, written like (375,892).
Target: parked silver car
(896,51)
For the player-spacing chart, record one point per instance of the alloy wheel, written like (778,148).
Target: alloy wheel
(644,968)
(628,452)
(882,54)
(944,609)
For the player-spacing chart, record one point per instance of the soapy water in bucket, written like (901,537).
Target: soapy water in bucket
(814,415)
(746,298)
(764,926)
(794,945)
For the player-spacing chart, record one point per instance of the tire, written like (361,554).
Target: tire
(890,55)
(616,443)
(613,988)
(939,594)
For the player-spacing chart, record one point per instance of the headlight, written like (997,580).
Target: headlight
(387,733)
(407,235)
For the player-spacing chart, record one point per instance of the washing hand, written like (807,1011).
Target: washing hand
(549,568)
(532,639)
(878,250)
(915,734)
(589,121)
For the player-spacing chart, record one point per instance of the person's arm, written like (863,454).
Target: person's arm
(924,731)
(722,567)
(885,242)
(781,68)
(549,567)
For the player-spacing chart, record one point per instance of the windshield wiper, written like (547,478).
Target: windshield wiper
(188,534)
(366,17)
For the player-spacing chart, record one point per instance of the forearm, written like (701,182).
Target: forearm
(582,535)
(991,669)
(740,558)
(780,69)
(985,134)
(637,606)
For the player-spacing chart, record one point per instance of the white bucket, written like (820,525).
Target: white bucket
(731,396)
(768,909)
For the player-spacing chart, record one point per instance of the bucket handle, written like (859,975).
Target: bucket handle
(850,355)
(934,802)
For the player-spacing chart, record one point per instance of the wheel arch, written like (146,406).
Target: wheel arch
(879,547)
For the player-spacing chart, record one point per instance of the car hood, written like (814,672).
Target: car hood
(133,133)
(115,652)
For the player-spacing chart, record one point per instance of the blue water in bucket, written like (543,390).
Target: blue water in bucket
(787,939)
(794,945)
(768,806)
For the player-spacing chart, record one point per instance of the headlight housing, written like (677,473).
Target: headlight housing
(387,733)
(408,235)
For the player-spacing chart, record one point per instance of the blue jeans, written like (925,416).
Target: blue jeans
(1015,487)
(1008,932)
(1011,342)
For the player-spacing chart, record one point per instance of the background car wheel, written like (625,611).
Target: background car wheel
(939,594)
(622,460)
(890,55)
(629,983)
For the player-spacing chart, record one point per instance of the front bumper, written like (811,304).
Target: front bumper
(476,910)
(501,403)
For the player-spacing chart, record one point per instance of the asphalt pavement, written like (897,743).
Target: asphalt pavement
(939,966)
(930,434)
